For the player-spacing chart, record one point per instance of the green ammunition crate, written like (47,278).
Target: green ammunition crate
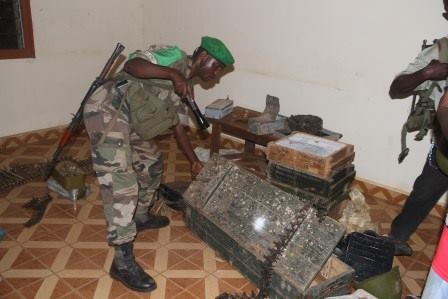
(69,175)
(329,188)
(241,216)
(320,203)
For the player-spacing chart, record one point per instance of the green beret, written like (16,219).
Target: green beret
(217,49)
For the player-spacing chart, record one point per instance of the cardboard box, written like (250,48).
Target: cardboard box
(310,154)
(219,108)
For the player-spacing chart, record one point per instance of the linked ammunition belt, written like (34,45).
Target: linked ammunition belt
(16,175)
(19,174)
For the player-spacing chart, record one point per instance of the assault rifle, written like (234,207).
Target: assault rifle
(39,204)
(77,118)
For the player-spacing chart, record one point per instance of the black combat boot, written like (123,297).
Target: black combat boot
(147,221)
(126,270)
(402,248)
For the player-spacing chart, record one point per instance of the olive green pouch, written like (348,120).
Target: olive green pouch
(383,286)
(150,115)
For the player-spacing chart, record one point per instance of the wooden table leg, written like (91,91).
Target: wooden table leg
(215,139)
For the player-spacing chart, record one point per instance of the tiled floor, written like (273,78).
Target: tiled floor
(66,256)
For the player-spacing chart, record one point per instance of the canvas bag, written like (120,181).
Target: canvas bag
(150,115)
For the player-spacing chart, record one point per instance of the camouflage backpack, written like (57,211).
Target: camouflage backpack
(423,112)
(152,111)
(151,115)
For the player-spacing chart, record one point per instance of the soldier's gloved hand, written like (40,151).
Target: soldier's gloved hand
(196,168)
(436,70)
(182,86)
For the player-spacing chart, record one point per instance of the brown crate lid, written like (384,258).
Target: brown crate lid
(311,145)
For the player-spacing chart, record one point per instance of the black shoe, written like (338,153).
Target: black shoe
(401,247)
(125,269)
(150,221)
(172,194)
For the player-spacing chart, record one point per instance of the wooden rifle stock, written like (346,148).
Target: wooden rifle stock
(77,118)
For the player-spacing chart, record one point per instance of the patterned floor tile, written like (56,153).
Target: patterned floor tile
(151,236)
(118,291)
(96,212)
(67,256)
(51,232)
(20,287)
(145,258)
(76,287)
(36,258)
(185,288)
(235,285)
(31,190)
(16,211)
(87,258)
(36,151)
(62,211)
(185,259)
(13,230)
(92,233)
(222,264)
(183,234)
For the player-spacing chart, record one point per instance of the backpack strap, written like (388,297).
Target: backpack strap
(113,121)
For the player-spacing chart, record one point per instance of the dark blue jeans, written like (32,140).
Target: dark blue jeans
(429,186)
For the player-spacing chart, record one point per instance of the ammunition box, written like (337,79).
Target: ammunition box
(69,175)
(243,217)
(341,181)
(320,203)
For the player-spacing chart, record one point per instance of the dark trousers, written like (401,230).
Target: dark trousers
(429,186)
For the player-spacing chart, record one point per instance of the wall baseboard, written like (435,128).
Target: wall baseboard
(31,137)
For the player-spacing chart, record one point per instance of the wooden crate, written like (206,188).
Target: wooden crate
(311,154)
(241,216)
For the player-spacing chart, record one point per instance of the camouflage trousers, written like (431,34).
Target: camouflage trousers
(128,168)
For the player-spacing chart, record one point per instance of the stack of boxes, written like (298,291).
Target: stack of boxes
(317,169)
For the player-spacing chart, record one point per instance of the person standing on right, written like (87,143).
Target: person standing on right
(436,286)
(431,184)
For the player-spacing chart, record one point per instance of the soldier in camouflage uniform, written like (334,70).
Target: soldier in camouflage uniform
(122,118)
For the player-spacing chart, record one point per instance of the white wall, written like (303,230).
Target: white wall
(334,59)
(73,40)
